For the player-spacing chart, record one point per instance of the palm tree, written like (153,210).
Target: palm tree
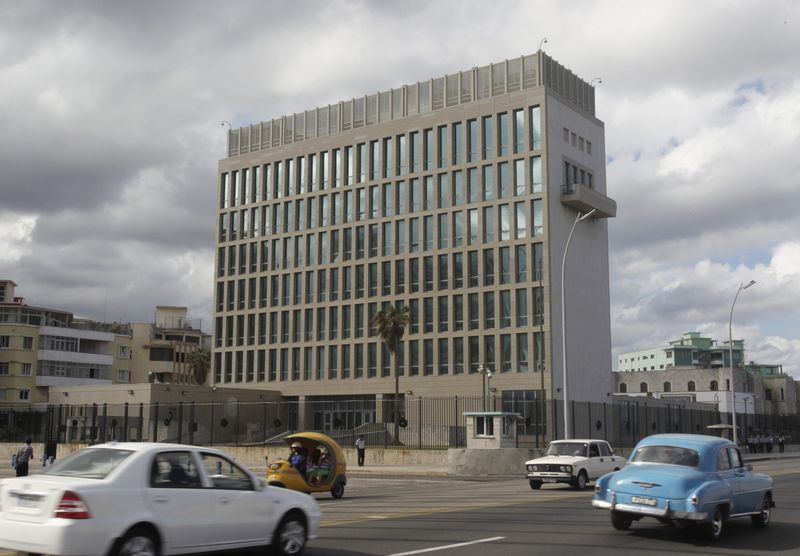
(391,324)
(200,362)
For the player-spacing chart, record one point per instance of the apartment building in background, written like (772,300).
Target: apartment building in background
(44,348)
(44,351)
(454,196)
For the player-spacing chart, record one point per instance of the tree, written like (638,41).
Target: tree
(200,363)
(391,324)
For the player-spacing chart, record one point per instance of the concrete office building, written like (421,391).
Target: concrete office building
(454,196)
(691,349)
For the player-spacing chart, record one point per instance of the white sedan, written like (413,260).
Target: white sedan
(575,462)
(125,499)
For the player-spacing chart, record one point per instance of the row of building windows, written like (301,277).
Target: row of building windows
(418,151)
(430,357)
(492,224)
(577,141)
(27,342)
(23,395)
(502,309)
(72,369)
(487,267)
(24,368)
(382,201)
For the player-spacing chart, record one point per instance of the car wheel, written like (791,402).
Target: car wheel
(580,482)
(713,529)
(137,542)
(761,519)
(535,485)
(337,490)
(290,536)
(620,521)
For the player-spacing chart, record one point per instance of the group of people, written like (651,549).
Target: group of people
(764,442)
(315,469)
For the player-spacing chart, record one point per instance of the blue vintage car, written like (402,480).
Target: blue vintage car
(685,478)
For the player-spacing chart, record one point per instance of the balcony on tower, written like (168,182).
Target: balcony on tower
(584,199)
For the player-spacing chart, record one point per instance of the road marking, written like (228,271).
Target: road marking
(350,520)
(447,546)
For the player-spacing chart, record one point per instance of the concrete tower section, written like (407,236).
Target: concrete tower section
(454,196)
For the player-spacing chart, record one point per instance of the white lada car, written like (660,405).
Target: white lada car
(575,462)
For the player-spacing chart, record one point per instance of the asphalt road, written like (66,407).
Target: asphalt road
(399,516)
(479,518)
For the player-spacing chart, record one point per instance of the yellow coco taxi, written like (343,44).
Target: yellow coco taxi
(306,469)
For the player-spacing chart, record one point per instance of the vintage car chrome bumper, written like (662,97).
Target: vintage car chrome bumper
(665,512)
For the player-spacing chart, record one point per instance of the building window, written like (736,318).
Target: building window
(484,426)
(3,368)
(768,394)
(623,388)
(667,387)
(4,341)
(643,387)
(24,395)
(714,386)
(691,387)
(26,369)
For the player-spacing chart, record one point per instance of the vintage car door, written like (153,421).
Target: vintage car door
(595,463)
(608,461)
(727,475)
(750,493)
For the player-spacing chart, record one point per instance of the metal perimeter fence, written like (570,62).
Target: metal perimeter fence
(424,422)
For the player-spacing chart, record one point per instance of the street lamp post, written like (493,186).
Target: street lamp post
(578,218)
(486,374)
(742,286)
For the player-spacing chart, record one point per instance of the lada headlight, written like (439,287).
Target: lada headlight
(274,466)
(565,469)
(533,468)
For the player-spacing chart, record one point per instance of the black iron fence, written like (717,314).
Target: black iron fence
(425,422)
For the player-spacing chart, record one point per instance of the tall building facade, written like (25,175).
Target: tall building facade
(453,196)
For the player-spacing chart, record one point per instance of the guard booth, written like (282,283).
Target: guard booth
(491,429)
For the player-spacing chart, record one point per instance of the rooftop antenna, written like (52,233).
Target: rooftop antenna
(541,42)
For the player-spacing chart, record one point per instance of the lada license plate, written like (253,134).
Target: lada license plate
(644,500)
(548,480)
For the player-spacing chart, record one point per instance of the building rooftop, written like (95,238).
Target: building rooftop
(438,93)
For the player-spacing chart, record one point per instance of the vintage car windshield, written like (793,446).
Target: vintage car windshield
(566,449)
(93,463)
(667,454)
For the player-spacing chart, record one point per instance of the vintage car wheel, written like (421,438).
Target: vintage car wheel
(761,519)
(713,529)
(535,485)
(620,521)
(290,536)
(138,542)
(580,482)
(337,490)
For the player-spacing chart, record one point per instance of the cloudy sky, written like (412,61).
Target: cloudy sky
(110,136)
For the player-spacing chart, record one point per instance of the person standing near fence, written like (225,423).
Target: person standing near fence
(24,456)
(781,442)
(361,446)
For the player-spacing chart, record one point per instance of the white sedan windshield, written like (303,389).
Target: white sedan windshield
(667,454)
(566,449)
(92,463)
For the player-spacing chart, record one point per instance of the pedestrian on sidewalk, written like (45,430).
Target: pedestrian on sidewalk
(361,446)
(24,456)
(781,442)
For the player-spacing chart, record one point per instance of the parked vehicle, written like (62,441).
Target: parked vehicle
(282,473)
(574,462)
(685,478)
(150,499)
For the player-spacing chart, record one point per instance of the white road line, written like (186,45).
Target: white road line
(447,546)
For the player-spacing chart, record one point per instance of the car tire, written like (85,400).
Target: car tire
(290,535)
(535,485)
(138,541)
(620,520)
(337,490)
(761,519)
(713,529)
(581,481)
